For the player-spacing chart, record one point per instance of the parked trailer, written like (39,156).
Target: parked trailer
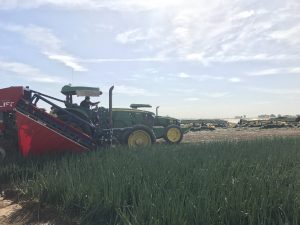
(39,132)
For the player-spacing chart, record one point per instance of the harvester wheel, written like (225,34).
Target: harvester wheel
(139,136)
(173,134)
(2,154)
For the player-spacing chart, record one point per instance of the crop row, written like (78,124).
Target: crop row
(249,182)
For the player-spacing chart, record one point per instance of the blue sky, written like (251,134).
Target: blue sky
(193,58)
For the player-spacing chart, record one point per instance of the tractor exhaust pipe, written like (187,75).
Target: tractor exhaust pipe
(157,110)
(110,107)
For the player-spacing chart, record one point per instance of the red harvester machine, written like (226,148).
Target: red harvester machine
(39,132)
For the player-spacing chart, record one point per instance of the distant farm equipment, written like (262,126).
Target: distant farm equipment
(205,124)
(278,122)
(212,124)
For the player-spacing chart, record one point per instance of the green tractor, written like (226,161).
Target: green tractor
(139,127)
(164,127)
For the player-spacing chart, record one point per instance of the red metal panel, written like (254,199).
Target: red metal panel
(35,138)
(9,98)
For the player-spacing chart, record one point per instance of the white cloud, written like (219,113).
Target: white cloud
(67,60)
(248,13)
(195,57)
(47,42)
(262,102)
(105,60)
(132,36)
(28,72)
(199,77)
(151,70)
(217,94)
(184,75)
(224,32)
(294,70)
(192,99)
(39,36)
(245,58)
(244,14)
(7,4)
(132,91)
(275,71)
(209,77)
(234,80)
(277,91)
(290,35)
(265,72)
(208,95)
(199,30)
(129,5)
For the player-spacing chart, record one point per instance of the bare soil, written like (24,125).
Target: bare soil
(17,212)
(7,209)
(231,134)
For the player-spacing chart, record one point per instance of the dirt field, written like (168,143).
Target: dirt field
(14,212)
(7,208)
(239,134)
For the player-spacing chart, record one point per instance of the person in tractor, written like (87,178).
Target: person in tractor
(86,103)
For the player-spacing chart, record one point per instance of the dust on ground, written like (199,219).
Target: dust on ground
(7,209)
(18,212)
(230,134)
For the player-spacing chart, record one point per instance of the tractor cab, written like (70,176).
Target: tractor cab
(91,115)
(79,91)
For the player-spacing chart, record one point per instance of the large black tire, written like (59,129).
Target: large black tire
(173,134)
(138,136)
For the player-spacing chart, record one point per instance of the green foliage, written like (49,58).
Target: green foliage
(248,182)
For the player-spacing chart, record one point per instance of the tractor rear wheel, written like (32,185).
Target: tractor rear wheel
(173,134)
(139,136)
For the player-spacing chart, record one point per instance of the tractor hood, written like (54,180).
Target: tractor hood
(166,120)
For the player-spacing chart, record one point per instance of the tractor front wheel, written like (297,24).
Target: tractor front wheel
(139,136)
(173,134)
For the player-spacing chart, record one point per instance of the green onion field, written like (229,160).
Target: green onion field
(248,183)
